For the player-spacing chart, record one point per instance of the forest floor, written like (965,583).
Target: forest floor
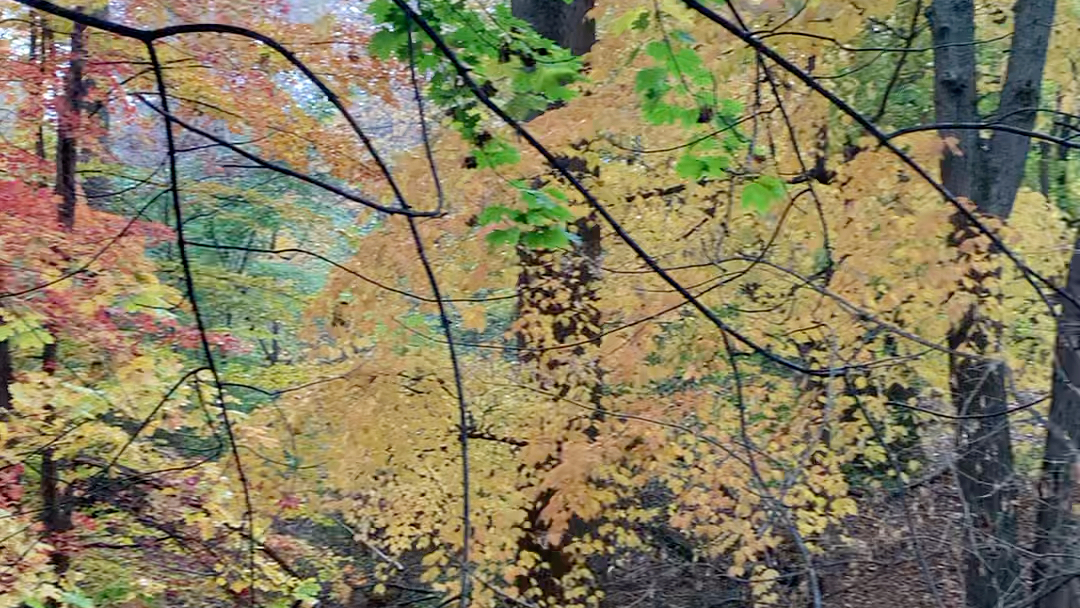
(904,547)
(900,549)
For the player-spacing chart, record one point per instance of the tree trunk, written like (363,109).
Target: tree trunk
(953,29)
(1053,577)
(988,173)
(7,376)
(1007,152)
(559,291)
(564,23)
(40,52)
(57,502)
(1055,524)
(542,275)
(69,116)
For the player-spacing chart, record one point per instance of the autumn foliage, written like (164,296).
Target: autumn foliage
(701,327)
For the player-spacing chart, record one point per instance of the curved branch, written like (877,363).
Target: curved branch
(148,36)
(878,49)
(984,126)
(314,181)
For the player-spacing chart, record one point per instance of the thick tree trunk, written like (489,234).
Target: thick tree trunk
(988,173)
(564,23)
(544,278)
(984,463)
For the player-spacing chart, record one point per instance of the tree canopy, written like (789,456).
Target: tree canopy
(538,303)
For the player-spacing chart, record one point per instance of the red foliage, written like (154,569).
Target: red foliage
(11,488)
(72,278)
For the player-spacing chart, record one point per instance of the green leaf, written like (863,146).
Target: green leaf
(552,81)
(493,214)
(709,143)
(730,110)
(77,599)
(496,153)
(716,166)
(689,61)
(658,51)
(688,116)
(689,166)
(381,10)
(523,105)
(659,113)
(697,167)
(559,213)
(651,81)
(555,193)
(536,217)
(504,236)
(548,237)
(538,199)
(307,590)
(756,197)
(760,194)
(385,43)
(774,184)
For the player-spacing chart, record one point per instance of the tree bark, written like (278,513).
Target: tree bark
(1055,523)
(7,376)
(1052,579)
(70,114)
(989,174)
(984,446)
(57,502)
(953,30)
(1007,154)
(564,23)
(545,275)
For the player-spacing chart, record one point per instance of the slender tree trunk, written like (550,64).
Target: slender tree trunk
(7,377)
(69,117)
(1055,524)
(989,173)
(1007,152)
(95,185)
(1053,578)
(56,501)
(41,51)
(953,29)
